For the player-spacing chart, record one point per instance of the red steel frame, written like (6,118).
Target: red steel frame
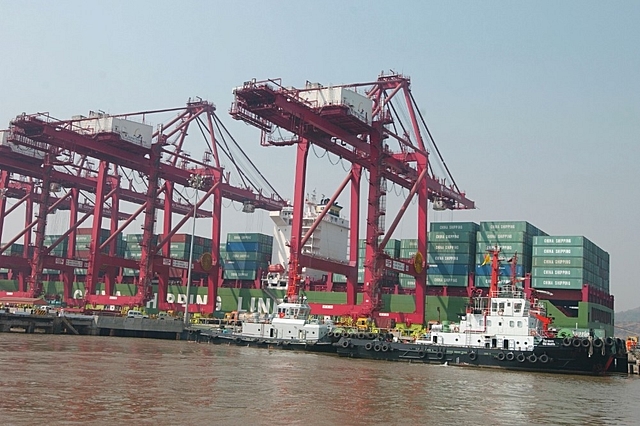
(62,144)
(266,104)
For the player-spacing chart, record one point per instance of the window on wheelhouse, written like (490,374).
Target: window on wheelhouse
(494,307)
(517,308)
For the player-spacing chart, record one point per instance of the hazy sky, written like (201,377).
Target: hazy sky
(534,106)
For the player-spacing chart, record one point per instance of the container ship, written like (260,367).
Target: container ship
(568,274)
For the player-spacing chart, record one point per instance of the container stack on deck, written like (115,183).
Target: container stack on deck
(512,238)
(246,254)
(451,253)
(568,262)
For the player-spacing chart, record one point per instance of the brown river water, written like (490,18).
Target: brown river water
(73,380)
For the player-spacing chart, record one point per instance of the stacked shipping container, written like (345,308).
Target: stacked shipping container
(245,254)
(513,238)
(451,253)
(568,262)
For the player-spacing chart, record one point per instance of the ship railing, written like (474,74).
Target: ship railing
(507,293)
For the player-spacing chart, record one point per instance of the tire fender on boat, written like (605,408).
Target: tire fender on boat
(345,343)
(520,357)
(237,339)
(384,347)
(368,346)
(377,347)
(473,356)
(544,358)
(609,341)
(566,341)
(532,358)
(440,355)
(576,342)
(585,343)
(510,356)
(597,343)
(501,356)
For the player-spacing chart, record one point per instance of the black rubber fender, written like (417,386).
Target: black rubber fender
(384,347)
(368,346)
(532,358)
(597,343)
(501,356)
(585,343)
(345,343)
(576,342)
(544,358)
(566,341)
(377,347)
(510,356)
(520,357)
(473,356)
(440,355)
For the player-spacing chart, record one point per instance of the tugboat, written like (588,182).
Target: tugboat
(505,330)
(289,328)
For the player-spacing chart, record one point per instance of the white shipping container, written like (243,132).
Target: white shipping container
(130,131)
(360,106)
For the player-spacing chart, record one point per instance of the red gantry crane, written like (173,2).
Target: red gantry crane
(105,161)
(378,128)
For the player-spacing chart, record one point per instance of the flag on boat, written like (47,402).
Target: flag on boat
(487,259)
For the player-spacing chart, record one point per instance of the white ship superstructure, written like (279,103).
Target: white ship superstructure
(329,240)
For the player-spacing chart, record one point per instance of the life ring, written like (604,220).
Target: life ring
(520,357)
(281,314)
(576,342)
(368,346)
(473,356)
(566,341)
(544,358)
(345,343)
(532,358)
(384,347)
(585,343)
(440,355)
(597,343)
(501,356)
(510,356)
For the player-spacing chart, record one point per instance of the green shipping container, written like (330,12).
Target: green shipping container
(460,248)
(249,237)
(451,237)
(511,226)
(544,251)
(454,226)
(247,255)
(503,237)
(239,275)
(447,280)
(449,258)
(409,244)
(551,283)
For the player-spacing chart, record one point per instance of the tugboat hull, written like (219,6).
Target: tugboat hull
(551,356)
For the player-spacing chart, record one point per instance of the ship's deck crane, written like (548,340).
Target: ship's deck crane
(147,171)
(373,133)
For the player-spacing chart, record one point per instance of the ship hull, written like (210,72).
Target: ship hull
(552,357)
(267,343)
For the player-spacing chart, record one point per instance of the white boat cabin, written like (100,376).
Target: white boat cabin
(508,321)
(290,322)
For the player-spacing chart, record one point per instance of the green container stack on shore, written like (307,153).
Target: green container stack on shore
(244,254)
(568,262)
